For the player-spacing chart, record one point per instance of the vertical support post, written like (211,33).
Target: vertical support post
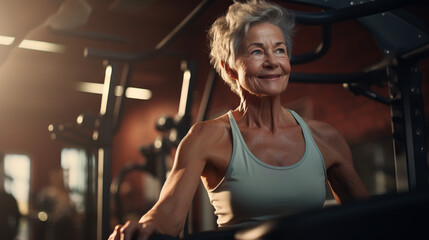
(90,200)
(408,123)
(189,69)
(105,135)
(207,96)
(124,81)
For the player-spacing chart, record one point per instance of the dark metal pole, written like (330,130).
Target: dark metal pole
(351,13)
(185,22)
(320,50)
(408,123)
(145,55)
(124,82)
(91,191)
(207,96)
(105,151)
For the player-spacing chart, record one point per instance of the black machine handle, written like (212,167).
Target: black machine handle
(352,12)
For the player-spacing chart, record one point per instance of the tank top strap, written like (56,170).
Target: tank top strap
(236,134)
(232,123)
(307,135)
(300,121)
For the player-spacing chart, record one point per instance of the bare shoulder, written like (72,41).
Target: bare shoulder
(210,129)
(324,131)
(331,143)
(205,135)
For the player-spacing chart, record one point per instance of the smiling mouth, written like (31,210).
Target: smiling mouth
(270,76)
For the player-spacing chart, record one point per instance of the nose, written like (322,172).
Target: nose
(270,61)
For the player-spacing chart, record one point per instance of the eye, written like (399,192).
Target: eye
(256,52)
(280,50)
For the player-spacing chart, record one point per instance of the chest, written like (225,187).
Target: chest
(282,148)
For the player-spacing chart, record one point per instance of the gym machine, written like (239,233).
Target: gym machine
(104,125)
(404,44)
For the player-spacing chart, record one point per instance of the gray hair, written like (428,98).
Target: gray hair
(227,32)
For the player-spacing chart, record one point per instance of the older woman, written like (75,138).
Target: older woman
(259,160)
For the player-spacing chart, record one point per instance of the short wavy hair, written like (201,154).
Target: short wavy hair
(227,32)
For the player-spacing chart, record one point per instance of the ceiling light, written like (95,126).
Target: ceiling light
(6,40)
(42,46)
(131,92)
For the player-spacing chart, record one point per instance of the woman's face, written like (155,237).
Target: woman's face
(262,65)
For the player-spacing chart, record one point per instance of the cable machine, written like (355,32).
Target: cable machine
(404,45)
(110,111)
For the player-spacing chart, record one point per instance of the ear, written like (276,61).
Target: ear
(231,72)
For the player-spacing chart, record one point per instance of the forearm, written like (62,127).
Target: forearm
(169,213)
(166,219)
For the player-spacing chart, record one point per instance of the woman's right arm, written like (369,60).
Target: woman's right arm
(168,215)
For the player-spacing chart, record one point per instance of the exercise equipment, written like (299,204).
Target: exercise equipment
(81,133)
(118,69)
(403,44)
(398,216)
(173,130)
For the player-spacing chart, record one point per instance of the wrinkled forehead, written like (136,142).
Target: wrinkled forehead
(262,34)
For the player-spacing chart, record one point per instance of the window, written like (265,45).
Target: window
(74,164)
(17,183)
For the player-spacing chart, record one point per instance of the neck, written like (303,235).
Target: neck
(264,111)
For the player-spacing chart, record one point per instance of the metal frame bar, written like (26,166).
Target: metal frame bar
(106,132)
(145,55)
(207,96)
(320,50)
(348,13)
(358,83)
(408,123)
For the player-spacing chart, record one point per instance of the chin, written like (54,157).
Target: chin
(270,93)
(274,92)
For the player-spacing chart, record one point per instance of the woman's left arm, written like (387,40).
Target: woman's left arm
(342,176)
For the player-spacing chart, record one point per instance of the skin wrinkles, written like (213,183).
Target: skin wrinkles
(262,64)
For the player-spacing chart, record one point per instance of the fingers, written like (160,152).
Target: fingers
(116,234)
(132,231)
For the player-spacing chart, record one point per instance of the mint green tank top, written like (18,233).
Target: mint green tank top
(253,191)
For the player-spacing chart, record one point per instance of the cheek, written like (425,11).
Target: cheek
(243,71)
(250,71)
(247,80)
(287,67)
